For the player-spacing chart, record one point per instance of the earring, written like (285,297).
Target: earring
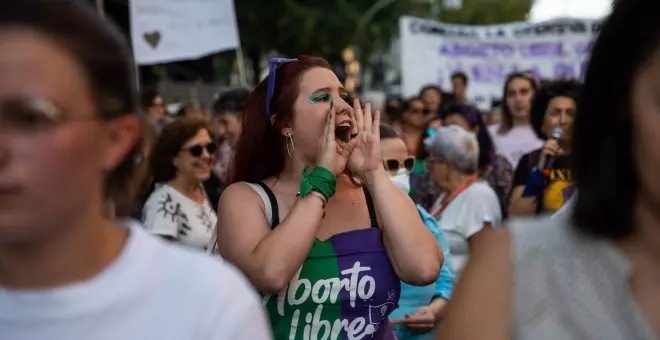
(292,149)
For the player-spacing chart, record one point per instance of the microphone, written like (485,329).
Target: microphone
(557,134)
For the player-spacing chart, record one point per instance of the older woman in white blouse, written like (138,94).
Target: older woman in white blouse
(468,203)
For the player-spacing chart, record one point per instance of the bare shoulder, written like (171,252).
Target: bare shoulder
(238,194)
(483,295)
(242,221)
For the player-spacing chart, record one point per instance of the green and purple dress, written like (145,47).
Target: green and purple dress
(345,289)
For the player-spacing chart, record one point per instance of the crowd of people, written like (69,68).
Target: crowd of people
(294,210)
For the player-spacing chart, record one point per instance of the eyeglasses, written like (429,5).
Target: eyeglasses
(422,111)
(394,165)
(198,150)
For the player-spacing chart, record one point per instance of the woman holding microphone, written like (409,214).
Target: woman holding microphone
(543,181)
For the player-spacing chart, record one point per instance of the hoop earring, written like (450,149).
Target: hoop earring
(291,150)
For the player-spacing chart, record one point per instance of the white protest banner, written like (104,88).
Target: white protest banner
(171,30)
(431,51)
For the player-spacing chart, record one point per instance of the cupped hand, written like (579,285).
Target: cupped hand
(333,154)
(365,155)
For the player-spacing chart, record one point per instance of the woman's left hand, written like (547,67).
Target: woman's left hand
(365,156)
(423,321)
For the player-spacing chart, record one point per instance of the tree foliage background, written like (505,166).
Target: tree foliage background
(295,27)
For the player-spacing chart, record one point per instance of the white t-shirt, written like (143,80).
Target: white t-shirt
(170,213)
(516,143)
(465,216)
(153,291)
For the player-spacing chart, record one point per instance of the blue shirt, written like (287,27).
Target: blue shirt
(414,297)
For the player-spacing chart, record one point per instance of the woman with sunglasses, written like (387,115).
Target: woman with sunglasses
(312,216)
(68,140)
(178,208)
(420,308)
(411,123)
(468,203)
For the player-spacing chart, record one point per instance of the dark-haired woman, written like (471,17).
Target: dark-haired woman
(312,216)
(543,180)
(514,136)
(68,141)
(181,161)
(594,274)
(495,169)
(414,117)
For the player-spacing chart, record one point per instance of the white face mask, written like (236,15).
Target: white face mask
(401,180)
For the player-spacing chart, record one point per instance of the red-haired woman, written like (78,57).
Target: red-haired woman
(326,252)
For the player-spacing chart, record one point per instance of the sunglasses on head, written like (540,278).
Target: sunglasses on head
(198,150)
(422,111)
(393,165)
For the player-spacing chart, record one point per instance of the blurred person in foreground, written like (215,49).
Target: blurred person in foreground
(68,137)
(594,275)
(468,204)
(420,308)
(311,205)
(543,180)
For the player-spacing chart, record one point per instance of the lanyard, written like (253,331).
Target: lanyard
(445,201)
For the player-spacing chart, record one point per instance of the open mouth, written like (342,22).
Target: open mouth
(343,132)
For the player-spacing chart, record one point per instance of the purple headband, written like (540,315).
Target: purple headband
(273,63)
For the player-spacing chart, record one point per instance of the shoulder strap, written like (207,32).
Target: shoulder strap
(266,200)
(275,211)
(370,206)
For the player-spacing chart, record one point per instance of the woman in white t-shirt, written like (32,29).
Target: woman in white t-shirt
(178,208)
(468,203)
(514,136)
(69,131)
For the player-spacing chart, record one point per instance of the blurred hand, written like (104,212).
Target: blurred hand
(423,321)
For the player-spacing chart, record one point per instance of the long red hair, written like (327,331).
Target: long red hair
(260,150)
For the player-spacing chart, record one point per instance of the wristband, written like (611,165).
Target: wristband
(320,180)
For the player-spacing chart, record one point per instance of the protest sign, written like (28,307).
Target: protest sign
(431,51)
(171,30)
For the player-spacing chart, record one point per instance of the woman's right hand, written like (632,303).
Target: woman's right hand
(333,154)
(551,148)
